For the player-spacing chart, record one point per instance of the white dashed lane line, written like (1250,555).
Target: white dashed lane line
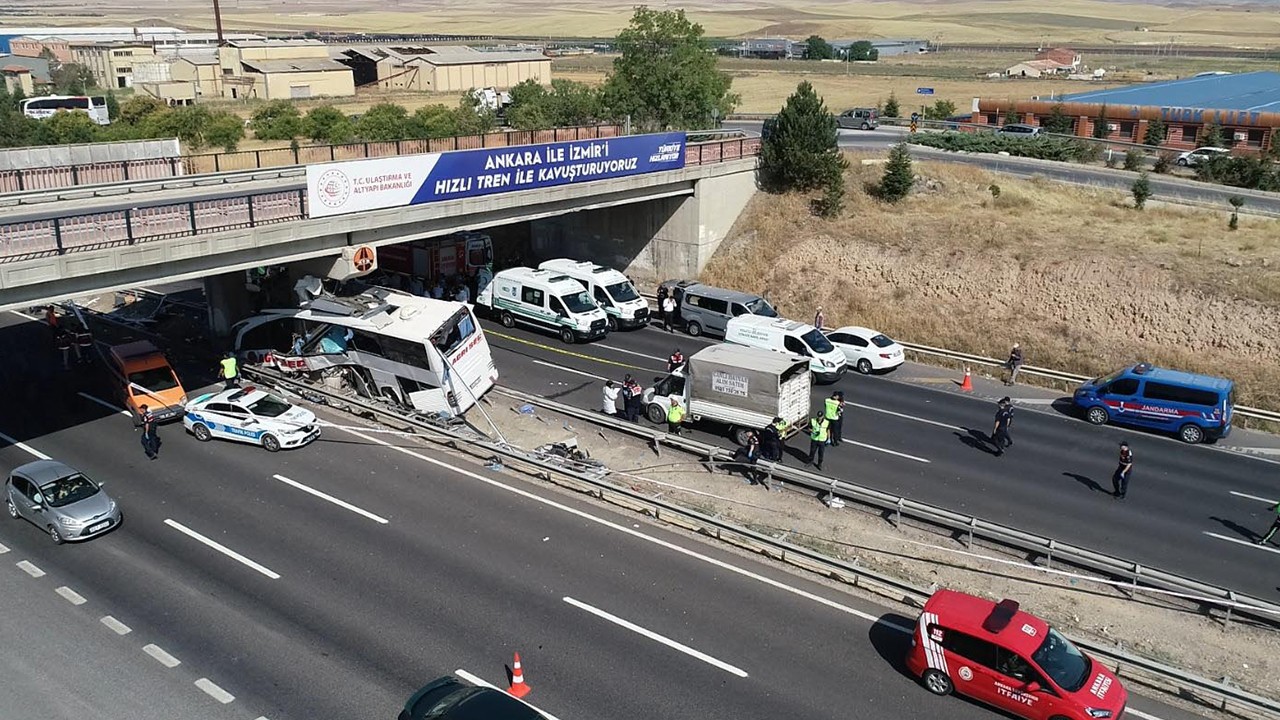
(27,567)
(221,548)
(340,503)
(116,626)
(3,549)
(70,595)
(161,656)
(24,447)
(213,691)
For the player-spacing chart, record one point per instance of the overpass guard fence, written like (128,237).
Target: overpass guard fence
(52,178)
(146,223)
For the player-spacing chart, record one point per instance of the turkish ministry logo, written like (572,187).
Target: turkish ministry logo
(333,188)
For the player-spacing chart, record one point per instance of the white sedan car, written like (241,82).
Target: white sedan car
(250,415)
(1195,157)
(866,349)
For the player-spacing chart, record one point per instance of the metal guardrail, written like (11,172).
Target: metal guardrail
(1223,695)
(48,178)
(57,236)
(139,187)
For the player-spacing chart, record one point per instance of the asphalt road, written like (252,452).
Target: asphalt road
(931,445)
(1162,187)
(431,565)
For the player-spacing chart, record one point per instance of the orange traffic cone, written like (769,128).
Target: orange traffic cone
(518,688)
(967,384)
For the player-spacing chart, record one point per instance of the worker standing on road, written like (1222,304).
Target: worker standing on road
(609,399)
(668,313)
(771,440)
(1004,419)
(150,438)
(675,361)
(51,318)
(1120,480)
(229,371)
(1014,363)
(833,410)
(819,319)
(1275,525)
(675,416)
(818,431)
(84,345)
(62,341)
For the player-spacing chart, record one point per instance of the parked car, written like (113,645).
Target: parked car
(60,500)
(250,415)
(859,118)
(1195,407)
(1020,130)
(448,698)
(866,349)
(1192,158)
(703,308)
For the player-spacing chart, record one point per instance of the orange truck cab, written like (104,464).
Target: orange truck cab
(145,377)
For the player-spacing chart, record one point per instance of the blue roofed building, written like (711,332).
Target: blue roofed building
(1246,106)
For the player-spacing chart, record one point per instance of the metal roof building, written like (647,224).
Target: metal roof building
(1245,107)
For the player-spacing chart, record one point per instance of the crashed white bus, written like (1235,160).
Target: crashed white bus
(427,355)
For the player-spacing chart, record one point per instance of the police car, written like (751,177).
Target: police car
(250,415)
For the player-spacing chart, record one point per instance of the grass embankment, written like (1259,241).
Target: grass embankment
(1082,280)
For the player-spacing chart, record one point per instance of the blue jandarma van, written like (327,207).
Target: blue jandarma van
(1195,407)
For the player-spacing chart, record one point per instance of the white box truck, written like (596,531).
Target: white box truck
(742,387)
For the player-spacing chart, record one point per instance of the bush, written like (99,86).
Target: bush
(224,129)
(898,175)
(940,110)
(891,109)
(1164,161)
(327,124)
(1141,190)
(1112,160)
(1058,121)
(383,122)
(1041,147)
(1132,159)
(1256,173)
(277,120)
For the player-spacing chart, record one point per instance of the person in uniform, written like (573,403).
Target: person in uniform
(150,437)
(833,410)
(1120,479)
(819,428)
(1004,419)
(229,371)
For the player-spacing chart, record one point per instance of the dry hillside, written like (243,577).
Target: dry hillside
(1085,282)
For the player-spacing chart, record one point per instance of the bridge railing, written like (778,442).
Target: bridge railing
(126,226)
(52,178)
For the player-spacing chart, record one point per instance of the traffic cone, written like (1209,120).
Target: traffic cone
(967,384)
(518,688)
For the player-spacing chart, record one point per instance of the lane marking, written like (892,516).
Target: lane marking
(905,416)
(3,549)
(885,450)
(570,370)
(1254,497)
(116,626)
(221,548)
(629,352)
(71,596)
(656,637)
(162,657)
(215,692)
(32,318)
(340,503)
(1034,401)
(23,446)
(481,682)
(1246,543)
(637,534)
(30,569)
(562,351)
(1139,713)
(105,404)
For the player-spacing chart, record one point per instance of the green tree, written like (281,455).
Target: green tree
(113,106)
(531,107)
(70,78)
(818,49)
(832,202)
(382,122)
(1212,137)
(435,121)
(16,129)
(1013,117)
(1141,190)
(799,150)
(863,50)
(665,76)
(70,128)
(1101,126)
(187,123)
(1132,159)
(137,109)
(1156,133)
(940,110)
(473,118)
(224,129)
(1058,121)
(891,109)
(574,103)
(898,176)
(277,120)
(325,123)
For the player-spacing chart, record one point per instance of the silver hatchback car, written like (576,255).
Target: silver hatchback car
(60,500)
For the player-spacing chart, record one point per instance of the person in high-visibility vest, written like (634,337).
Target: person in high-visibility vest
(833,411)
(818,427)
(228,370)
(675,416)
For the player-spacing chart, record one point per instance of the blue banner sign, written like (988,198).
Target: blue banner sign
(359,185)
(924,91)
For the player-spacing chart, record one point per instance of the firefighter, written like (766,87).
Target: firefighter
(84,345)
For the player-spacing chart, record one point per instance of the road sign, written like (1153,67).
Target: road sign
(924,91)
(363,258)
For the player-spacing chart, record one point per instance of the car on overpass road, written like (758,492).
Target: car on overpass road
(448,698)
(60,500)
(250,415)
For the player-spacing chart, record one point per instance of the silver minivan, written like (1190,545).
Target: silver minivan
(703,308)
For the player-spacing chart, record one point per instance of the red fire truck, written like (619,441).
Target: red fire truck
(432,259)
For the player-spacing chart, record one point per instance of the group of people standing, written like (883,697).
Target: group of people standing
(458,287)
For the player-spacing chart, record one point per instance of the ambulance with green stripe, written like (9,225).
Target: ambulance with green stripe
(612,291)
(544,299)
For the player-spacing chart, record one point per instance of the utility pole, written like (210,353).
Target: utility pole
(217,22)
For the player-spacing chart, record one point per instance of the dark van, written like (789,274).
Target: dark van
(1195,407)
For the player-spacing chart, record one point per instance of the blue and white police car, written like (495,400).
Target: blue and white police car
(250,415)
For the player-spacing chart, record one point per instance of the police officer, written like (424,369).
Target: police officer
(1275,525)
(229,371)
(833,410)
(1000,433)
(675,416)
(771,440)
(84,345)
(62,341)
(1120,480)
(676,360)
(150,438)
(818,433)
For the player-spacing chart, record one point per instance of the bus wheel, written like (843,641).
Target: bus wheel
(508,321)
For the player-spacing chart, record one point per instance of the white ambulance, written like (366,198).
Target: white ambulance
(826,363)
(544,299)
(612,291)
